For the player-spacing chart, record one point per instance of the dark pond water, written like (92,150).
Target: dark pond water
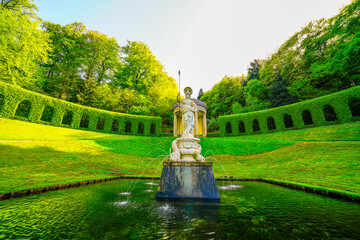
(252,210)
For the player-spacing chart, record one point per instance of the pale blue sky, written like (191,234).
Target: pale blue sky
(205,39)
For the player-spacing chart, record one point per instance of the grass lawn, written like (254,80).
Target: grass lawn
(33,155)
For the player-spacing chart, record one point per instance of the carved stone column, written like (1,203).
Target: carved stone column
(204,125)
(196,124)
(175,125)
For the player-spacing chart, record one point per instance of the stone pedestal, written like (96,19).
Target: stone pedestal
(188,180)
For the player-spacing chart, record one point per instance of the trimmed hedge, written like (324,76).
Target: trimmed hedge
(340,107)
(21,104)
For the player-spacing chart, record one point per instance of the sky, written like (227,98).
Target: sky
(204,39)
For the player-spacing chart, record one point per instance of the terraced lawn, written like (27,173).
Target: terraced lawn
(33,155)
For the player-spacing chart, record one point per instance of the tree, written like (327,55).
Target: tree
(223,95)
(22,43)
(256,94)
(142,72)
(278,93)
(236,107)
(162,95)
(102,55)
(201,93)
(322,58)
(140,68)
(81,60)
(101,61)
(254,69)
(61,75)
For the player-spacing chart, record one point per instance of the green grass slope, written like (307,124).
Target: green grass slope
(33,155)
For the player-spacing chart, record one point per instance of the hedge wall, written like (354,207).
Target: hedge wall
(18,103)
(340,107)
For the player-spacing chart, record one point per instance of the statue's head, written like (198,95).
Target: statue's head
(188,92)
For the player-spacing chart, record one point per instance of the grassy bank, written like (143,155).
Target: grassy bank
(34,155)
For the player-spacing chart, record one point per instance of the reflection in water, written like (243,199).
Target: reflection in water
(251,210)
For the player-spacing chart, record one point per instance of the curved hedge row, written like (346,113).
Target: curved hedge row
(22,104)
(340,107)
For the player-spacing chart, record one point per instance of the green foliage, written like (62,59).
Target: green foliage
(89,68)
(80,61)
(258,107)
(23,109)
(325,156)
(142,78)
(22,43)
(329,164)
(213,125)
(81,66)
(256,93)
(2,100)
(67,119)
(236,107)
(279,94)
(331,109)
(322,58)
(201,93)
(26,105)
(139,69)
(223,95)
(254,68)
(47,114)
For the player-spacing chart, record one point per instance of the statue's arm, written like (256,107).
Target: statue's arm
(193,106)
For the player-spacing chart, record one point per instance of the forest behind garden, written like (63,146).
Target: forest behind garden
(322,58)
(90,68)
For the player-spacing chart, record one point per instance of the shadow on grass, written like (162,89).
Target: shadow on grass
(153,147)
(140,146)
(28,165)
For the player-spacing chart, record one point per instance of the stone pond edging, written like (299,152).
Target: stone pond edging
(323,192)
(32,191)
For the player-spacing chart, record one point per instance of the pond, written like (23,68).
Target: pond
(247,210)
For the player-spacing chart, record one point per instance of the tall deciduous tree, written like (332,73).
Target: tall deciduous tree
(142,72)
(140,68)
(81,60)
(62,73)
(22,43)
(323,57)
(256,94)
(223,95)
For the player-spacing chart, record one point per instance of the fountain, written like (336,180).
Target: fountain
(186,174)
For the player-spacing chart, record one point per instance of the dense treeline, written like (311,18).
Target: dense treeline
(87,67)
(23,45)
(322,58)
(81,66)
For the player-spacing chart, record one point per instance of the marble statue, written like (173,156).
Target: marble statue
(188,107)
(186,174)
(187,148)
